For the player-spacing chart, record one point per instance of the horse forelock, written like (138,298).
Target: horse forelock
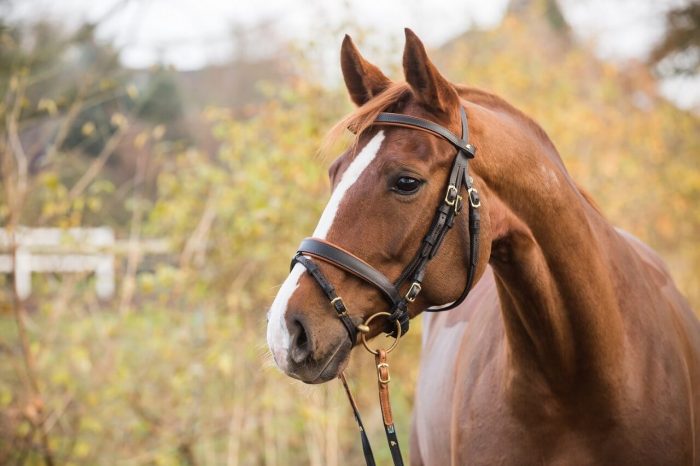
(362,117)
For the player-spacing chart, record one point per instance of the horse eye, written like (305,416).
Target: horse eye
(407,185)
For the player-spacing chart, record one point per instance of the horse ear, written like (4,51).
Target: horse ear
(428,85)
(363,79)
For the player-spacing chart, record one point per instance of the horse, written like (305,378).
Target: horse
(573,347)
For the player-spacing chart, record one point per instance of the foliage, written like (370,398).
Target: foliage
(183,372)
(161,102)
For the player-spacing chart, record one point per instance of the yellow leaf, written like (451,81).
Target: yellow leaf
(48,105)
(88,128)
(158,132)
(118,120)
(82,449)
(225,364)
(132,91)
(140,140)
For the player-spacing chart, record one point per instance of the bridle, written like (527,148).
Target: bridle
(414,273)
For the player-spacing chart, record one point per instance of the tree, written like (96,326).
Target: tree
(679,50)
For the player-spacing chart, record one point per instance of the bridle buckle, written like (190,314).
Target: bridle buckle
(474,199)
(458,204)
(339,306)
(451,195)
(413,291)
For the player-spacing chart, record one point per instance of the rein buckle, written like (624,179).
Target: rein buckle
(387,378)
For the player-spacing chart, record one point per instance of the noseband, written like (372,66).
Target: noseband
(448,209)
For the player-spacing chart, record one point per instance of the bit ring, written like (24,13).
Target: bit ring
(363,335)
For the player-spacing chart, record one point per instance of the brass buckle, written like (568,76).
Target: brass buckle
(363,335)
(379,373)
(451,195)
(335,300)
(413,291)
(458,204)
(474,198)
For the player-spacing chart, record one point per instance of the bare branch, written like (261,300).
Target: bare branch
(133,256)
(66,124)
(96,165)
(196,243)
(21,161)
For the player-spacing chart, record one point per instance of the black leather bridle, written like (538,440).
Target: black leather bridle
(414,273)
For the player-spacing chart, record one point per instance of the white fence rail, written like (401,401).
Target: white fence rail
(55,250)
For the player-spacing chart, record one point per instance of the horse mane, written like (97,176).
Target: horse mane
(362,118)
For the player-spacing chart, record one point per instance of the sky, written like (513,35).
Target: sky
(192,33)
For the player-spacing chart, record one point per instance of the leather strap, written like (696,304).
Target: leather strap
(407,121)
(329,290)
(442,222)
(366,447)
(383,379)
(351,263)
(474,228)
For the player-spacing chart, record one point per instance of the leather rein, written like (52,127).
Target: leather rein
(414,273)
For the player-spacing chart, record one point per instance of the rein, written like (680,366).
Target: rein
(414,273)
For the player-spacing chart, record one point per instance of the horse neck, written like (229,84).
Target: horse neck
(551,253)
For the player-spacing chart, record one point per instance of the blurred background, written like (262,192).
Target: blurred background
(158,167)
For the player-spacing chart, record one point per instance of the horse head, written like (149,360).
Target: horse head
(385,191)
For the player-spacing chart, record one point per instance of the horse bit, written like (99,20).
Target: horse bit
(444,219)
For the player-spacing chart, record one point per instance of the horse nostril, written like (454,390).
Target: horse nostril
(301,347)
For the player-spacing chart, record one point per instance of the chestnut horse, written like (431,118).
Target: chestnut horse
(574,346)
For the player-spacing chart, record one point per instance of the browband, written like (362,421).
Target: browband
(407,121)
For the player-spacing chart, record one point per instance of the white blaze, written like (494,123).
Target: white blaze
(278,337)
(351,175)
